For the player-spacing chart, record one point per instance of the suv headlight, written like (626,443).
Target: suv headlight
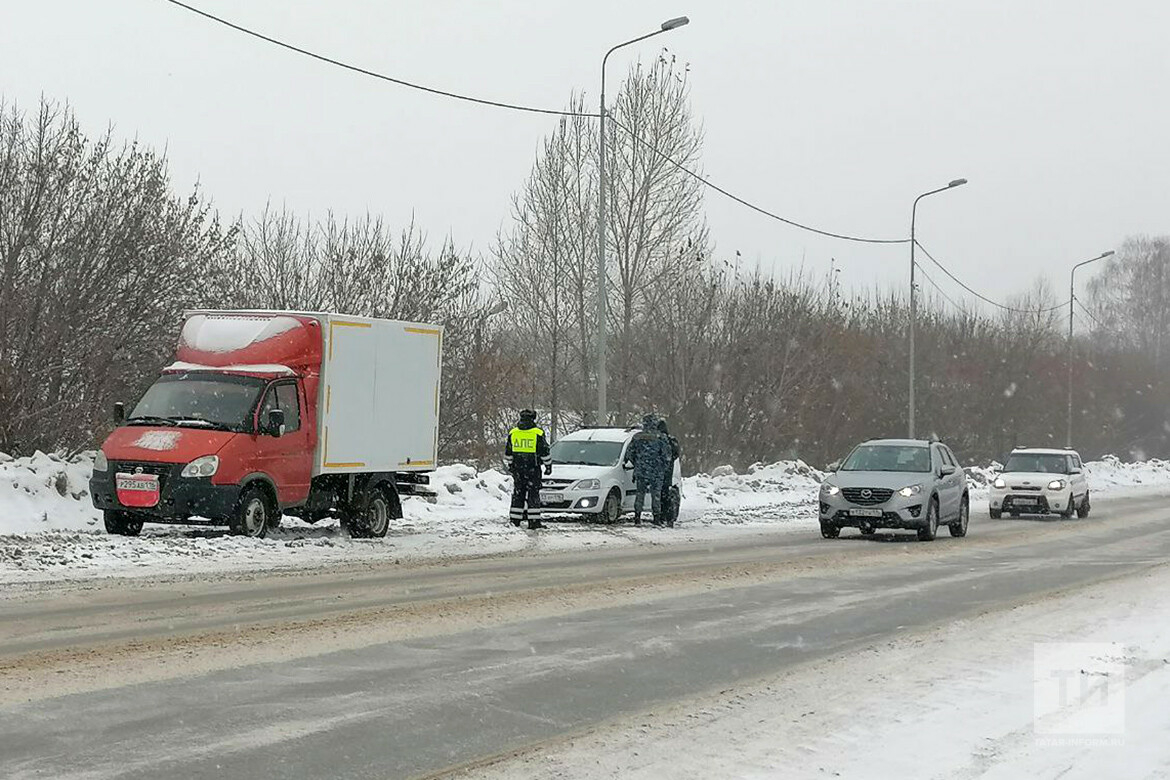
(587,484)
(1000,483)
(1056,484)
(202,467)
(910,490)
(829,490)
(100,463)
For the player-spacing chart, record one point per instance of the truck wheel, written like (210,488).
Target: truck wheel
(374,521)
(930,530)
(959,528)
(252,514)
(121,523)
(611,510)
(1083,509)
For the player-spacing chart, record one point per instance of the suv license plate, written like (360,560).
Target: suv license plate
(865,512)
(1023,500)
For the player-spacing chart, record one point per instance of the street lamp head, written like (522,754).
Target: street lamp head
(957,183)
(675,23)
(1107,254)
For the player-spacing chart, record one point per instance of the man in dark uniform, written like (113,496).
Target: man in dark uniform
(649,453)
(670,509)
(525,452)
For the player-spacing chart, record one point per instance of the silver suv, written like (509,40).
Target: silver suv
(896,483)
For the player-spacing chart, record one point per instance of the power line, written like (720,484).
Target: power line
(982,297)
(940,290)
(372,74)
(533,110)
(1090,314)
(759,209)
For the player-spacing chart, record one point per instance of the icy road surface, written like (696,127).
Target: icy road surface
(404,670)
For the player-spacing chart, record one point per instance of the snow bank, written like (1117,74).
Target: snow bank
(46,493)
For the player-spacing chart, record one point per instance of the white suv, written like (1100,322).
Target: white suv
(1037,481)
(588,477)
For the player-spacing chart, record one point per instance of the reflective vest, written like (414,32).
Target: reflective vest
(524,440)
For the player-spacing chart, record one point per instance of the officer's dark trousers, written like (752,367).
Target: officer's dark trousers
(668,507)
(653,486)
(525,497)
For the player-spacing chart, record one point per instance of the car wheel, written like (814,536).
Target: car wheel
(1015,515)
(930,530)
(252,514)
(959,528)
(1083,509)
(1067,513)
(121,523)
(995,514)
(612,508)
(829,530)
(867,530)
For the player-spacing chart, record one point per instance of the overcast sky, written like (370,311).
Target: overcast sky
(832,112)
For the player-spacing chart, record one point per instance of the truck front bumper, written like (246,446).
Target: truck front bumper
(180,498)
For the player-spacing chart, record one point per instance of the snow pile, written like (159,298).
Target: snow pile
(725,496)
(46,492)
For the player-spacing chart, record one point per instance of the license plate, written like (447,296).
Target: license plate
(137,490)
(1023,500)
(550,497)
(865,512)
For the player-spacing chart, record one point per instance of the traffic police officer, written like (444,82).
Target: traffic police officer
(525,452)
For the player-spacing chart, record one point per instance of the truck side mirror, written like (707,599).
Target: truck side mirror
(275,423)
(119,412)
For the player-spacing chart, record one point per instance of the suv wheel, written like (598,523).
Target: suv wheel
(829,530)
(995,514)
(1072,507)
(1083,509)
(959,528)
(930,530)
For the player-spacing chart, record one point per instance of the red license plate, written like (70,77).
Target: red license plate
(137,490)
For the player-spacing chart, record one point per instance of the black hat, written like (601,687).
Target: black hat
(527,414)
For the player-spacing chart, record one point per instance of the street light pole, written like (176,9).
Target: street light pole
(1072,296)
(602,309)
(913,292)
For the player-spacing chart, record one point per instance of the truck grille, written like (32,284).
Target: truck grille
(867,496)
(163,470)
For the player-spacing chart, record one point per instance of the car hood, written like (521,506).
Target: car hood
(1031,478)
(895,480)
(575,471)
(164,444)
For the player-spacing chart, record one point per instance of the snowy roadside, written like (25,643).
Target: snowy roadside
(49,529)
(957,702)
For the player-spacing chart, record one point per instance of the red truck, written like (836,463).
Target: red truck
(265,413)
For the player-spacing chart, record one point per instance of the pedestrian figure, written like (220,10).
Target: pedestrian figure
(649,454)
(670,508)
(525,452)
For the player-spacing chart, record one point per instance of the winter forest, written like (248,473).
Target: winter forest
(99,255)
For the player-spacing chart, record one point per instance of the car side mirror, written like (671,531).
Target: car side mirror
(946,470)
(119,412)
(627,465)
(275,423)
(1075,471)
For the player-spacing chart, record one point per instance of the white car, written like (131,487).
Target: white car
(588,477)
(1037,481)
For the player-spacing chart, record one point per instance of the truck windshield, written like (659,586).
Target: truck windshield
(1037,463)
(586,453)
(888,457)
(206,400)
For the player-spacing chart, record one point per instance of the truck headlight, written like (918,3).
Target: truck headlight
(1056,484)
(910,490)
(202,467)
(1000,483)
(829,490)
(100,463)
(587,484)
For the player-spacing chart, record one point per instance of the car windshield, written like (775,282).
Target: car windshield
(888,457)
(1037,463)
(581,452)
(204,400)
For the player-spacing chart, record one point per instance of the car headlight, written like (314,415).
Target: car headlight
(1000,483)
(588,484)
(202,467)
(829,490)
(1056,484)
(910,490)
(100,463)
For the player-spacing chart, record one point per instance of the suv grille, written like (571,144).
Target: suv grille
(867,496)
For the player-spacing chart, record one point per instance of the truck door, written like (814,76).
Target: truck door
(287,459)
